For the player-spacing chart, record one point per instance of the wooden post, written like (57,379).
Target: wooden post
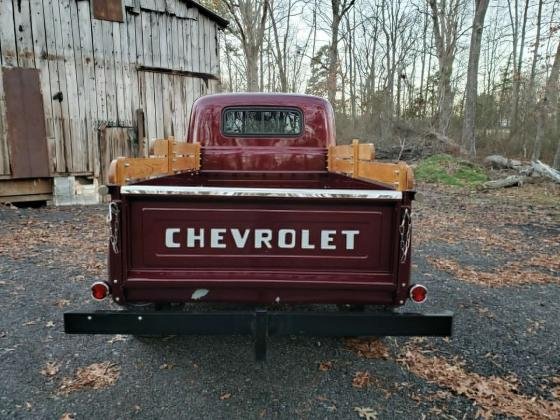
(356,157)
(141,133)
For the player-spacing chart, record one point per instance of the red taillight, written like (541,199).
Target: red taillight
(418,293)
(99,290)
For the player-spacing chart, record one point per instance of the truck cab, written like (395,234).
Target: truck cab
(263,132)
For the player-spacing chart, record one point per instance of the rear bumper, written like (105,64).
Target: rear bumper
(260,324)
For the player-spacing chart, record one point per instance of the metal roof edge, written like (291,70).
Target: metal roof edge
(208,13)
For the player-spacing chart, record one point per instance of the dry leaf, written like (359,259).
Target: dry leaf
(25,324)
(225,396)
(325,366)
(361,380)
(116,338)
(370,348)
(366,413)
(49,324)
(167,366)
(68,416)
(61,303)
(94,376)
(50,369)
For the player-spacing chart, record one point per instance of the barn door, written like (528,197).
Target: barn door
(113,143)
(25,120)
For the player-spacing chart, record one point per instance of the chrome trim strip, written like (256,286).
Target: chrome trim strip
(263,192)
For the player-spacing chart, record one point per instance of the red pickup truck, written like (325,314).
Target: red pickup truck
(259,206)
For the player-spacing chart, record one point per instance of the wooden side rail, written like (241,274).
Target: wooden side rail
(169,156)
(357,160)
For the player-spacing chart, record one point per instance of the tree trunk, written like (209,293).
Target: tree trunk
(280,58)
(339,9)
(333,55)
(513,119)
(471,90)
(556,161)
(445,18)
(252,63)
(549,99)
(445,96)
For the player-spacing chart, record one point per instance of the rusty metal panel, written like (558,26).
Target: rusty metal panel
(25,117)
(111,10)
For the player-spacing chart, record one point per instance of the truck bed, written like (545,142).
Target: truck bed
(260,238)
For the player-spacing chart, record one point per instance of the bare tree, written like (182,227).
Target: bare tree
(249,18)
(279,52)
(545,104)
(339,9)
(471,90)
(517,61)
(446,17)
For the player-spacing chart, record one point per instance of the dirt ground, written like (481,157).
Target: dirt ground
(492,258)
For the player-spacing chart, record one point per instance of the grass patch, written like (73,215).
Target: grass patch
(449,170)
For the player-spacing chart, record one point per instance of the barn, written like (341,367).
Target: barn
(84,81)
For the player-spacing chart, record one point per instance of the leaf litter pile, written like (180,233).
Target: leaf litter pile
(493,395)
(79,240)
(519,226)
(94,376)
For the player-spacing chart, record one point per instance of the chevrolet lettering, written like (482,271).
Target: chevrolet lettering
(260,238)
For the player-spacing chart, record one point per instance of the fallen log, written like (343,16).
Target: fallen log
(546,171)
(502,162)
(510,181)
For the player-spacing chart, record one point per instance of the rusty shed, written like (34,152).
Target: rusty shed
(84,81)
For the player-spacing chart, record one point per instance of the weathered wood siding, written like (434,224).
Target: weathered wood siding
(96,73)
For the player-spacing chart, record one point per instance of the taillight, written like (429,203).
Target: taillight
(418,293)
(99,290)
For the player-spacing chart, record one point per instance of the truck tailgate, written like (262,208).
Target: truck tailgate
(327,241)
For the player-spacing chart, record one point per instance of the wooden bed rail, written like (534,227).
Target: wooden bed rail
(168,157)
(357,160)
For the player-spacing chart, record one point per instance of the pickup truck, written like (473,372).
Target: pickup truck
(259,207)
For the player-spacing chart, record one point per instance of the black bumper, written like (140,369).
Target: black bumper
(260,324)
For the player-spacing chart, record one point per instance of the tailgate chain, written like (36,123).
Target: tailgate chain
(405,233)
(114,226)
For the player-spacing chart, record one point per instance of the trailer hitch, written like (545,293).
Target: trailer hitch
(260,324)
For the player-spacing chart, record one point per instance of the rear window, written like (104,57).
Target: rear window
(262,122)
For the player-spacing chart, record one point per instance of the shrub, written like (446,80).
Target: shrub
(449,170)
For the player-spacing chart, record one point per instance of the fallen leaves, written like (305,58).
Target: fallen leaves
(361,380)
(325,366)
(511,274)
(225,396)
(50,369)
(68,416)
(94,376)
(494,395)
(370,348)
(61,303)
(78,241)
(520,229)
(166,366)
(117,338)
(366,413)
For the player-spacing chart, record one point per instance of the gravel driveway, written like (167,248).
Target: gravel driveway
(506,334)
